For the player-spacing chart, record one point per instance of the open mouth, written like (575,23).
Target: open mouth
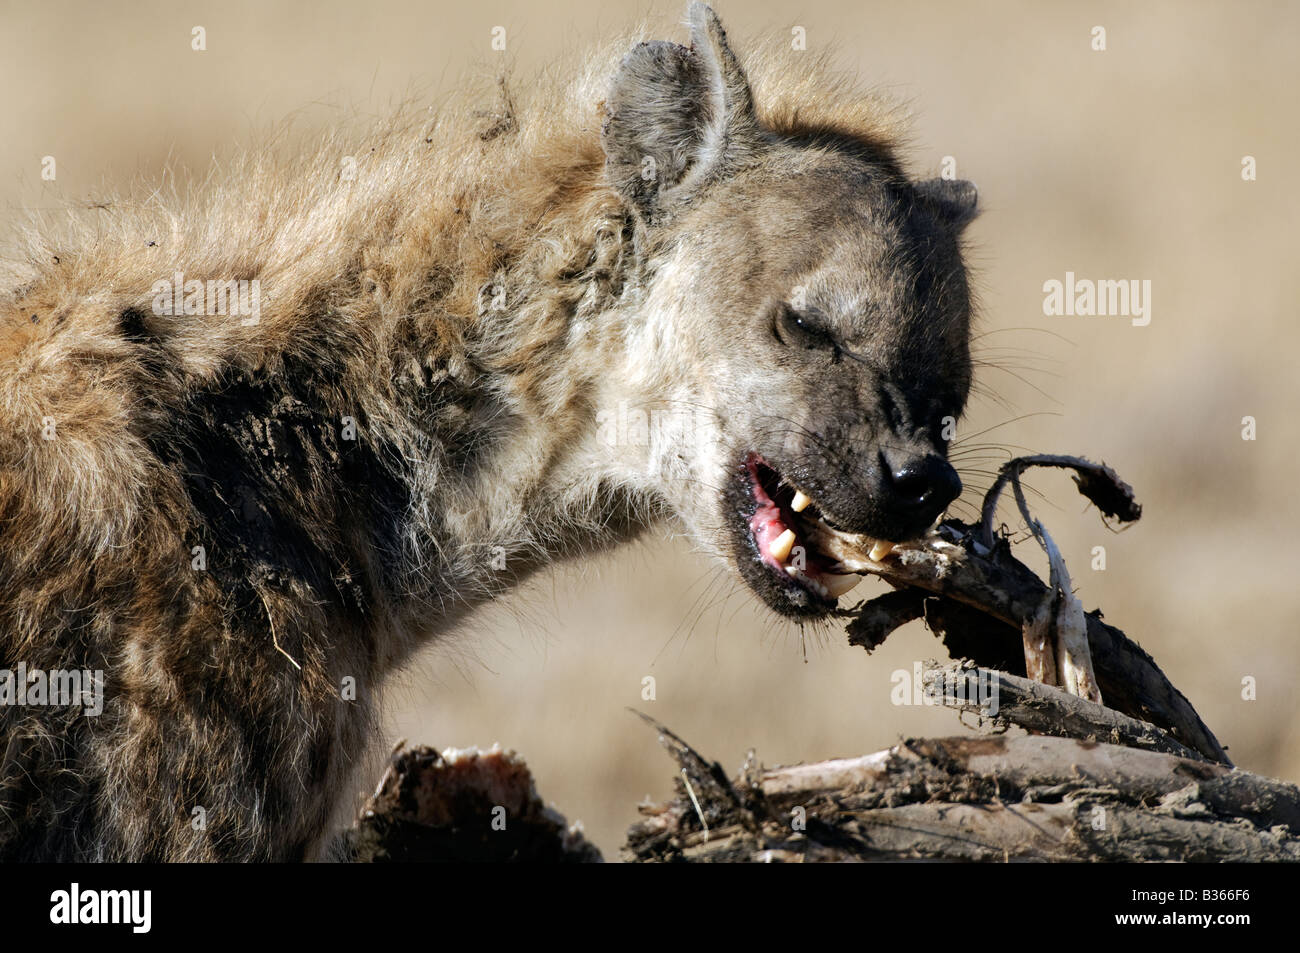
(783,528)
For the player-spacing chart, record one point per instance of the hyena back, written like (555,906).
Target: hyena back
(247,521)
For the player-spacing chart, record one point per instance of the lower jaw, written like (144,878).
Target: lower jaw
(807,598)
(813,585)
(782,592)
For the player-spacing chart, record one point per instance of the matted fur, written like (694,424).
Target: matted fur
(327,558)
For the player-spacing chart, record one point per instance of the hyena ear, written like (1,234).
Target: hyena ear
(677,117)
(955,199)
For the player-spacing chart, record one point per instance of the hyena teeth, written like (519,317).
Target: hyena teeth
(800,502)
(881,550)
(780,548)
(839,585)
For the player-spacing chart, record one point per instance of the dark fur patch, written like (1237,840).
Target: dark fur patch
(134,325)
(280,495)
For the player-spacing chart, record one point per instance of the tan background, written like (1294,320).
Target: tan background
(1122,164)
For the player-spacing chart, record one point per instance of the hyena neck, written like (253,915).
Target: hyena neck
(514,457)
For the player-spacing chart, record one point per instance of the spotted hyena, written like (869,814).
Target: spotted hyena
(260,447)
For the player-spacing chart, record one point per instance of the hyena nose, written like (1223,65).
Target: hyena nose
(923,486)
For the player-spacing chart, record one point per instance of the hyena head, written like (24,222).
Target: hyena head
(805,301)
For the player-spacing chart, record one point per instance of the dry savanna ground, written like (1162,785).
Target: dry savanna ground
(1116,164)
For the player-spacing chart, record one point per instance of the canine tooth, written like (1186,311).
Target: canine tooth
(881,550)
(839,585)
(800,502)
(780,549)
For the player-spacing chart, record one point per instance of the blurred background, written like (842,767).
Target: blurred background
(1120,164)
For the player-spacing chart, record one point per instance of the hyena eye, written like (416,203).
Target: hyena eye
(794,329)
